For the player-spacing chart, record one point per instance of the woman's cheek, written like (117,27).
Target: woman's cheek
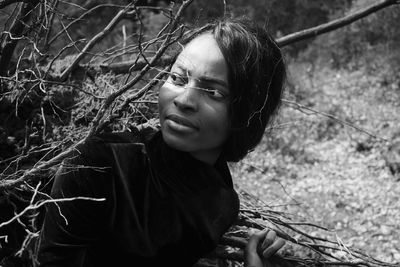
(164,96)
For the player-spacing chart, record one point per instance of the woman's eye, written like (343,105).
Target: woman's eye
(177,79)
(214,93)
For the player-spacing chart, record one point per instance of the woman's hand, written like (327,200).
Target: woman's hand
(261,246)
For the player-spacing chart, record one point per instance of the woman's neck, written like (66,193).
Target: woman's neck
(207,156)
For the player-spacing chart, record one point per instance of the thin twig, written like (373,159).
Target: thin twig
(314,111)
(43,202)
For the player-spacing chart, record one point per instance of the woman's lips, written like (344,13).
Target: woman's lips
(180,123)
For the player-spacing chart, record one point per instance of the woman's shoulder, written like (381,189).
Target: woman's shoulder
(97,148)
(133,134)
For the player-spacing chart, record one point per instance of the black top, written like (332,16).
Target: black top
(162,207)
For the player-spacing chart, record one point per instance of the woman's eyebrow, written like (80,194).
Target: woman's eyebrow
(182,68)
(205,79)
(213,80)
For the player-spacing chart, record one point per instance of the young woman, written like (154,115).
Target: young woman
(167,195)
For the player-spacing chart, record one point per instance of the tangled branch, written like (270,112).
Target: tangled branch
(302,249)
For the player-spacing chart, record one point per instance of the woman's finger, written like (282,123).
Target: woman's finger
(269,239)
(277,244)
(255,239)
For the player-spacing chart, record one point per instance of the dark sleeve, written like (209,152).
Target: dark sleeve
(71,226)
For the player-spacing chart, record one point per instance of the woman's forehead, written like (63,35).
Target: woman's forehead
(203,57)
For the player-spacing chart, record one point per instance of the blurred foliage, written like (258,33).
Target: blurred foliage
(319,170)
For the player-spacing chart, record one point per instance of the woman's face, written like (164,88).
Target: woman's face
(193,102)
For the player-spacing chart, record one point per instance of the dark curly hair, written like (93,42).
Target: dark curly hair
(256,77)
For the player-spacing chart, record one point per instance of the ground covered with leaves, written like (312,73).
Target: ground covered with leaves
(331,160)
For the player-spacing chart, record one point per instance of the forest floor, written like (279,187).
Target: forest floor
(325,172)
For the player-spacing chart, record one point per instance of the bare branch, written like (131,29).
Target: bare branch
(125,67)
(334,24)
(78,19)
(34,206)
(144,70)
(135,97)
(95,40)
(14,180)
(5,3)
(16,31)
(46,43)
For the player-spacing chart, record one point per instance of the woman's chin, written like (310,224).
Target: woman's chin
(175,141)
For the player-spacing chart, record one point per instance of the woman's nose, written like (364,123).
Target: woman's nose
(188,99)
